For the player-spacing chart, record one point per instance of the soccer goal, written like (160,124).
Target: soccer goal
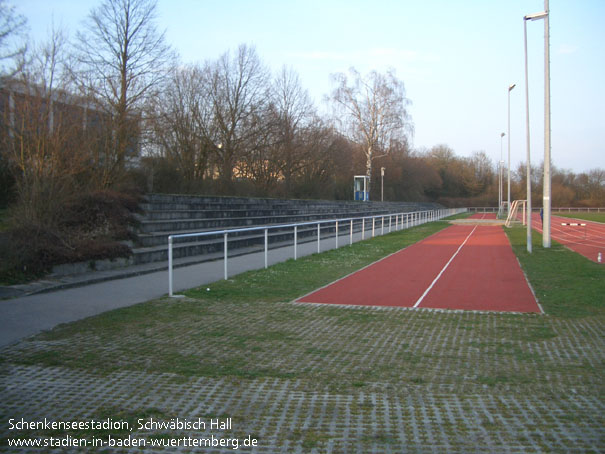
(513,213)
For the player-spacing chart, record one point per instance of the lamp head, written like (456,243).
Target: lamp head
(510,87)
(536,16)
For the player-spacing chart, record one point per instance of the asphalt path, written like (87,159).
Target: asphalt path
(28,315)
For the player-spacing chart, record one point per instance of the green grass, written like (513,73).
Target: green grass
(566,283)
(596,217)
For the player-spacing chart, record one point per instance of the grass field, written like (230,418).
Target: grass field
(596,217)
(313,378)
(566,283)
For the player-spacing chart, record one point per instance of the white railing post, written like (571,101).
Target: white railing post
(295,245)
(225,260)
(382,228)
(318,237)
(363,229)
(266,248)
(351,234)
(373,226)
(336,234)
(170,293)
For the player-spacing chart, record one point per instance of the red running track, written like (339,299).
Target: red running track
(588,240)
(460,267)
(483,216)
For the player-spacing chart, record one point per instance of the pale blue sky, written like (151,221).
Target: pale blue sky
(456,59)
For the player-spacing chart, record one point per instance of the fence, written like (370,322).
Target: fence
(365,225)
(554,209)
(578,209)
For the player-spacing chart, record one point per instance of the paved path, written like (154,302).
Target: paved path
(28,315)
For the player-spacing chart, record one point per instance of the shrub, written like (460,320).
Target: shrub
(90,227)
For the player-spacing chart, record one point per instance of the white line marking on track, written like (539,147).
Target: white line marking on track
(444,268)
(297,300)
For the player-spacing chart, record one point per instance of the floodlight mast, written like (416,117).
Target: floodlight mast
(500,178)
(510,87)
(546,194)
(546,202)
(527,143)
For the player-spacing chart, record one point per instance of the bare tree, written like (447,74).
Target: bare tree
(47,67)
(182,123)
(480,173)
(12,38)
(372,111)
(326,161)
(122,60)
(239,93)
(44,134)
(260,164)
(293,112)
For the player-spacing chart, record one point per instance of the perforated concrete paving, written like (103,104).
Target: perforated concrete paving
(319,380)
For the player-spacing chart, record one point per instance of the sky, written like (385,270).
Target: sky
(456,58)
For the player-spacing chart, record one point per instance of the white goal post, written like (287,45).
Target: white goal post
(513,212)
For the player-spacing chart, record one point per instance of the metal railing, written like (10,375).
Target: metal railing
(401,221)
(577,209)
(553,209)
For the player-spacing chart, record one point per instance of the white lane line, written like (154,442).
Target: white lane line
(444,268)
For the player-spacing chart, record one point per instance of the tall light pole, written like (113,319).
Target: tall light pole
(532,17)
(510,87)
(546,191)
(500,178)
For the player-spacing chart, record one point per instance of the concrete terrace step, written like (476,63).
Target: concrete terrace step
(233,222)
(168,214)
(171,214)
(153,235)
(186,202)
